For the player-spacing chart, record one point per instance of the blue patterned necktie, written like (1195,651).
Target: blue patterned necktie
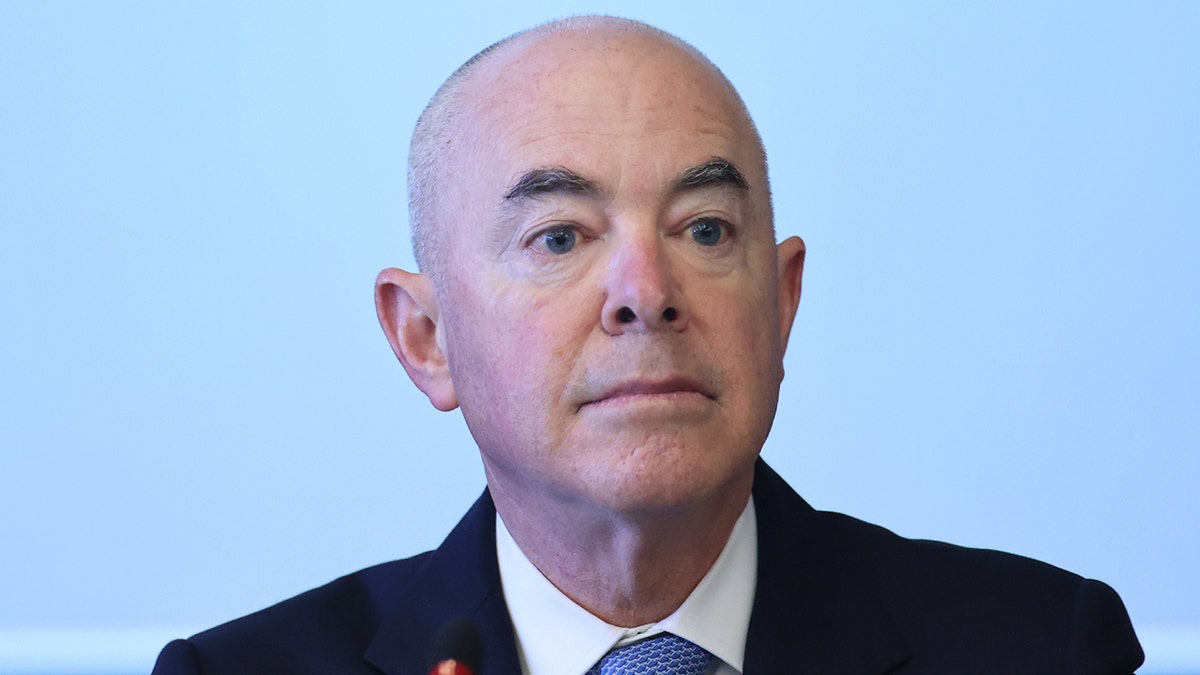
(664,654)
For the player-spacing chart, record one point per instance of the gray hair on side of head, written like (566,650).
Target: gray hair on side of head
(438,127)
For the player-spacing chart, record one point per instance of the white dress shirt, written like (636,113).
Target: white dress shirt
(555,636)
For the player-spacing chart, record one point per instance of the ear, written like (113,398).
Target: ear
(790,253)
(408,312)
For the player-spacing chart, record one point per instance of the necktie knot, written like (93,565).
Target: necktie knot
(665,654)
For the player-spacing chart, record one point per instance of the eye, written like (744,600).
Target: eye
(708,231)
(558,239)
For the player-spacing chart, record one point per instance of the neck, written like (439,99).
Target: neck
(627,568)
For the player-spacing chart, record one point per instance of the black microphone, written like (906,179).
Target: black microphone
(456,649)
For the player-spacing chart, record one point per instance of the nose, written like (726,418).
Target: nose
(642,292)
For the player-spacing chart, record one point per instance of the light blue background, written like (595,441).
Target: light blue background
(199,416)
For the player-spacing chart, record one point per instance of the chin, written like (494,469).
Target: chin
(668,479)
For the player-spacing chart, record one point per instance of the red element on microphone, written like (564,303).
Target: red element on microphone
(451,667)
(456,649)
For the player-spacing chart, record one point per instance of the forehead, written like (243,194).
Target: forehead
(630,108)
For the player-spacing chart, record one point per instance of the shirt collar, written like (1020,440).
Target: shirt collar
(557,636)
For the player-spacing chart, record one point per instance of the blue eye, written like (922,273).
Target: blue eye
(559,240)
(707,232)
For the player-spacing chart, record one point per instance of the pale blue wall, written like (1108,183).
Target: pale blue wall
(199,416)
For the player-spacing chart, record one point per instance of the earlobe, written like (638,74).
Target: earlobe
(790,253)
(408,313)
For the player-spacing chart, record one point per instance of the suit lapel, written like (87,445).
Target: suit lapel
(812,615)
(459,580)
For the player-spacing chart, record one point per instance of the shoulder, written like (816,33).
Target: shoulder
(1002,605)
(957,583)
(328,626)
(958,607)
(938,569)
(953,608)
(913,572)
(385,614)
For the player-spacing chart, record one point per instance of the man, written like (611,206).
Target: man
(603,297)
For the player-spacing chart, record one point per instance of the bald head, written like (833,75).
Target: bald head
(541,63)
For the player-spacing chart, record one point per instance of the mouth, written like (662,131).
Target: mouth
(677,387)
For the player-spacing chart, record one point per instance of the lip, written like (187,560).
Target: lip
(650,388)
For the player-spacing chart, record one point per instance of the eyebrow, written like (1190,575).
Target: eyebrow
(550,180)
(716,172)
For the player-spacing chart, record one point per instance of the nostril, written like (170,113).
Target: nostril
(625,315)
(669,314)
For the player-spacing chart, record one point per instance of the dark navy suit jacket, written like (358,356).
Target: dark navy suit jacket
(834,595)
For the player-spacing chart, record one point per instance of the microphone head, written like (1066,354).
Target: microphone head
(457,641)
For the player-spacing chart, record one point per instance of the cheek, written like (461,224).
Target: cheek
(747,339)
(545,327)
(743,308)
(514,352)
